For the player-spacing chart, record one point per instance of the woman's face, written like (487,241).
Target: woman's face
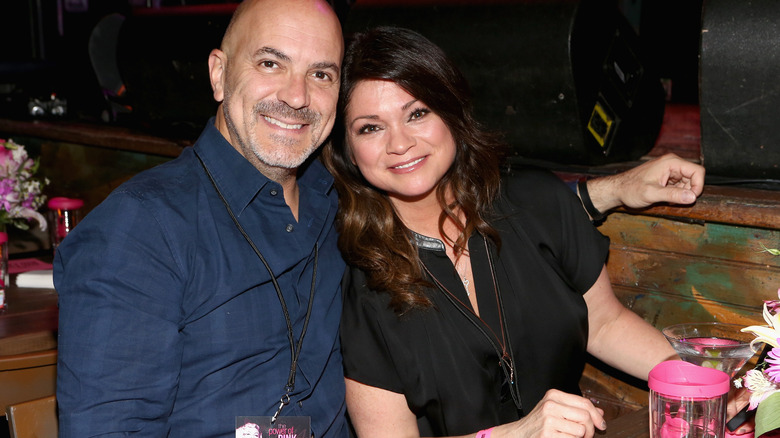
(397,142)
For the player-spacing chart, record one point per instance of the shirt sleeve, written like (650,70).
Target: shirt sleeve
(369,347)
(119,349)
(551,215)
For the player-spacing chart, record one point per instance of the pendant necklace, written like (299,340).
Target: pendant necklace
(463,272)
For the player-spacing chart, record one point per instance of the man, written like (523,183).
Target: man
(171,324)
(184,296)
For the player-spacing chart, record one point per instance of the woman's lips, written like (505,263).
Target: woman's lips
(408,166)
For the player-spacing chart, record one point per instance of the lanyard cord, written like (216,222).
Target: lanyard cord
(513,389)
(506,358)
(295,351)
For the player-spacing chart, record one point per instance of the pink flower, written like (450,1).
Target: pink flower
(773,305)
(20,193)
(6,161)
(773,370)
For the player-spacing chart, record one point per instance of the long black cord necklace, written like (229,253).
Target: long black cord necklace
(295,350)
(503,347)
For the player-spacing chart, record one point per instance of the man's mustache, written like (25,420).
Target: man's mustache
(281,110)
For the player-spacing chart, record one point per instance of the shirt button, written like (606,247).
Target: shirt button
(274,192)
(289,228)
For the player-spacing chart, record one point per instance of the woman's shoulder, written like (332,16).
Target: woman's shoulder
(357,294)
(534,185)
(523,175)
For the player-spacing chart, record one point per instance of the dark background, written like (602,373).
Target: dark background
(45,49)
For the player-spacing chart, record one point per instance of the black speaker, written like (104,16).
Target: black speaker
(563,80)
(162,58)
(740,96)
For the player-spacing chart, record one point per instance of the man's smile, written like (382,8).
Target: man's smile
(281,124)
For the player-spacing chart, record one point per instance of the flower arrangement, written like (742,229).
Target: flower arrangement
(763,381)
(20,192)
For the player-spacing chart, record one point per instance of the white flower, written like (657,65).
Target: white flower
(760,387)
(769,333)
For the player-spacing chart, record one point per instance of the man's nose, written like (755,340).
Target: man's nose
(295,92)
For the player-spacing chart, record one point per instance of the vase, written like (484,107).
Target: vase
(3,267)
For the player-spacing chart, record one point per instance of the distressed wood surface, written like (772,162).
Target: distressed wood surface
(669,268)
(754,208)
(673,264)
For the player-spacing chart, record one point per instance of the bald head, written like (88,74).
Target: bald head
(277,77)
(253,13)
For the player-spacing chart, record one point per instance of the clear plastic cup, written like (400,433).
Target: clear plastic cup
(687,400)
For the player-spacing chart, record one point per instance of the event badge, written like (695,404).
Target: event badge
(283,427)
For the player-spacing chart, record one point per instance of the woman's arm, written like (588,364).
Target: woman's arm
(379,413)
(618,336)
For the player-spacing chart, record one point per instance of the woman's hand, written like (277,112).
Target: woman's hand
(558,414)
(738,399)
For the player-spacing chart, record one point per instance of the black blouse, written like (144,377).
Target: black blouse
(441,358)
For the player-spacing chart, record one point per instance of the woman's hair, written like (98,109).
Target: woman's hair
(372,236)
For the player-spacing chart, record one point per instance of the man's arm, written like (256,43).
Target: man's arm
(119,355)
(664,179)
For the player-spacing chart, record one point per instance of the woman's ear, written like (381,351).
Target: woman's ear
(217,64)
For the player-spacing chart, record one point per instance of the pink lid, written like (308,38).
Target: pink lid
(61,203)
(683,379)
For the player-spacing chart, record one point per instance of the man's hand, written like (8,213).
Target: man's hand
(664,179)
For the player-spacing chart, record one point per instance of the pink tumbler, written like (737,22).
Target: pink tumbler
(65,214)
(687,400)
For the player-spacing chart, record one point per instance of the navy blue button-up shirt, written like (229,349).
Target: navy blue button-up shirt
(169,322)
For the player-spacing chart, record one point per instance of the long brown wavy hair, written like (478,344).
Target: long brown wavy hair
(372,236)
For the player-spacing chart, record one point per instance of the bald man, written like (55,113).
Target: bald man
(208,288)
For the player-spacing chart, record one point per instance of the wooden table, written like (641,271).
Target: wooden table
(632,425)
(28,342)
(29,315)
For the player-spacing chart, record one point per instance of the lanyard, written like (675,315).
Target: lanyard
(504,347)
(295,351)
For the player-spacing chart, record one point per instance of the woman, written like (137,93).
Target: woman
(472,296)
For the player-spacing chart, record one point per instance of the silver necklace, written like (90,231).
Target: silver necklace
(463,273)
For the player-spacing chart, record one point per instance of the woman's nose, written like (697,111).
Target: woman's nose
(400,141)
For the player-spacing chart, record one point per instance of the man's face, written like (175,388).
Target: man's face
(280,81)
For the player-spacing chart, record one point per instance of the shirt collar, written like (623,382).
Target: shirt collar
(238,180)
(429,243)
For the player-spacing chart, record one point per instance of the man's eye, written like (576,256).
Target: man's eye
(322,75)
(268,64)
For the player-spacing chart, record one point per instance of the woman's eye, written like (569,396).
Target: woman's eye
(416,114)
(367,129)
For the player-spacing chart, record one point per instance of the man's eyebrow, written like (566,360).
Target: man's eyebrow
(272,51)
(325,65)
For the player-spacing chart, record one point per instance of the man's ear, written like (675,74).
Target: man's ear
(217,64)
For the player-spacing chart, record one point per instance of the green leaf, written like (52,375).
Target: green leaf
(768,415)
